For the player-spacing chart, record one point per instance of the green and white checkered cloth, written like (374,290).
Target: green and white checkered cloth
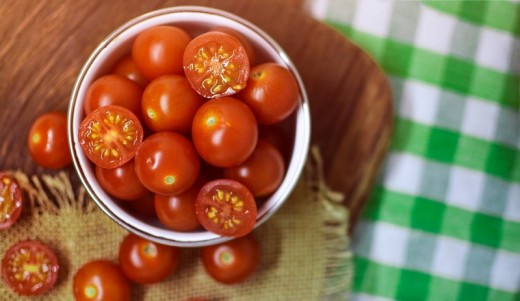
(443,222)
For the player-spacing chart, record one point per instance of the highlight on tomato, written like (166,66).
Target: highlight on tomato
(121,182)
(126,67)
(11,201)
(48,142)
(101,280)
(216,64)
(30,268)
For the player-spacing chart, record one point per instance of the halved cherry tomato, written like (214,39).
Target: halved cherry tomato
(110,135)
(226,207)
(224,132)
(126,67)
(30,268)
(158,51)
(121,182)
(216,64)
(47,141)
(271,93)
(116,90)
(233,261)
(147,262)
(11,201)
(262,172)
(169,103)
(101,280)
(167,163)
(247,46)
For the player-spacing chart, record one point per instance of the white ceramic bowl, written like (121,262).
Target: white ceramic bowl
(195,20)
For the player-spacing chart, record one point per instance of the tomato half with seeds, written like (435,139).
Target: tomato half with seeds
(233,261)
(101,280)
(147,262)
(11,201)
(216,64)
(110,136)
(126,67)
(242,39)
(121,182)
(224,132)
(226,207)
(30,268)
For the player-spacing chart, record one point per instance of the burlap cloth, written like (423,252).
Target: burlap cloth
(305,247)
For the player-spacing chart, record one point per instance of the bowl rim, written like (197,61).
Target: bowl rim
(301,140)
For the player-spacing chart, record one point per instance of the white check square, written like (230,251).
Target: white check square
(505,272)
(403,173)
(373,16)
(450,258)
(389,244)
(480,119)
(465,188)
(513,203)
(419,102)
(494,49)
(435,30)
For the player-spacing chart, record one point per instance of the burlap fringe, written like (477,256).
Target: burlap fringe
(339,265)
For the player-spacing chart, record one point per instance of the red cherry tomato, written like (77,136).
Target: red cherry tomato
(126,67)
(101,280)
(216,64)
(30,268)
(233,261)
(262,172)
(169,103)
(247,46)
(226,207)
(47,141)
(177,212)
(143,207)
(271,93)
(158,51)
(224,132)
(167,163)
(11,201)
(110,135)
(147,262)
(116,90)
(121,182)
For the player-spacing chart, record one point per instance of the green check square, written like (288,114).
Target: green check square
(472,152)
(510,239)
(457,75)
(473,11)
(412,285)
(457,223)
(397,58)
(427,66)
(441,289)
(410,137)
(511,92)
(473,292)
(504,15)
(500,161)
(427,215)
(489,84)
(389,206)
(442,145)
(375,278)
(374,46)
(486,230)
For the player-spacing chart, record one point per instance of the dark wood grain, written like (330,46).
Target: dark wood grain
(44,44)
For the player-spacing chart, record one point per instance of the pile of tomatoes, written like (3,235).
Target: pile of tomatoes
(181,129)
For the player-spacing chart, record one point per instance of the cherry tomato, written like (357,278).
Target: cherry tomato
(169,103)
(121,182)
(47,141)
(30,268)
(147,262)
(271,93)
(101,280)
(110,135)
(216,64)
(226,207)
(224,132)
(11,201)
(278,136)
(247,46)
(233,261)
(116,90)
(126,67)
(262,172)
(143,207)
(158,51)
(167,163)
(177,212)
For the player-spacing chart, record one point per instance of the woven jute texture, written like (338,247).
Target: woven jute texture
(304,246)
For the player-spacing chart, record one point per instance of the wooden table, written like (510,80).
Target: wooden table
(45,43)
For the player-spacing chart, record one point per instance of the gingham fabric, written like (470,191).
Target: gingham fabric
(443,222)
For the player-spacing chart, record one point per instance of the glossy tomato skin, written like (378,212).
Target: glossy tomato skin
(48,142)
(159,50)
(110,135)
(177,212)
(216,64)
(271,92)
(224,132)
(251,55)
(30,268)
(113,89)
(169,103)
(11,201)
(143,207)
(262,172)
(233,261)
(101,280)
(147,262)
(167,163)
(121,182)
(126,67)
(226,207)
